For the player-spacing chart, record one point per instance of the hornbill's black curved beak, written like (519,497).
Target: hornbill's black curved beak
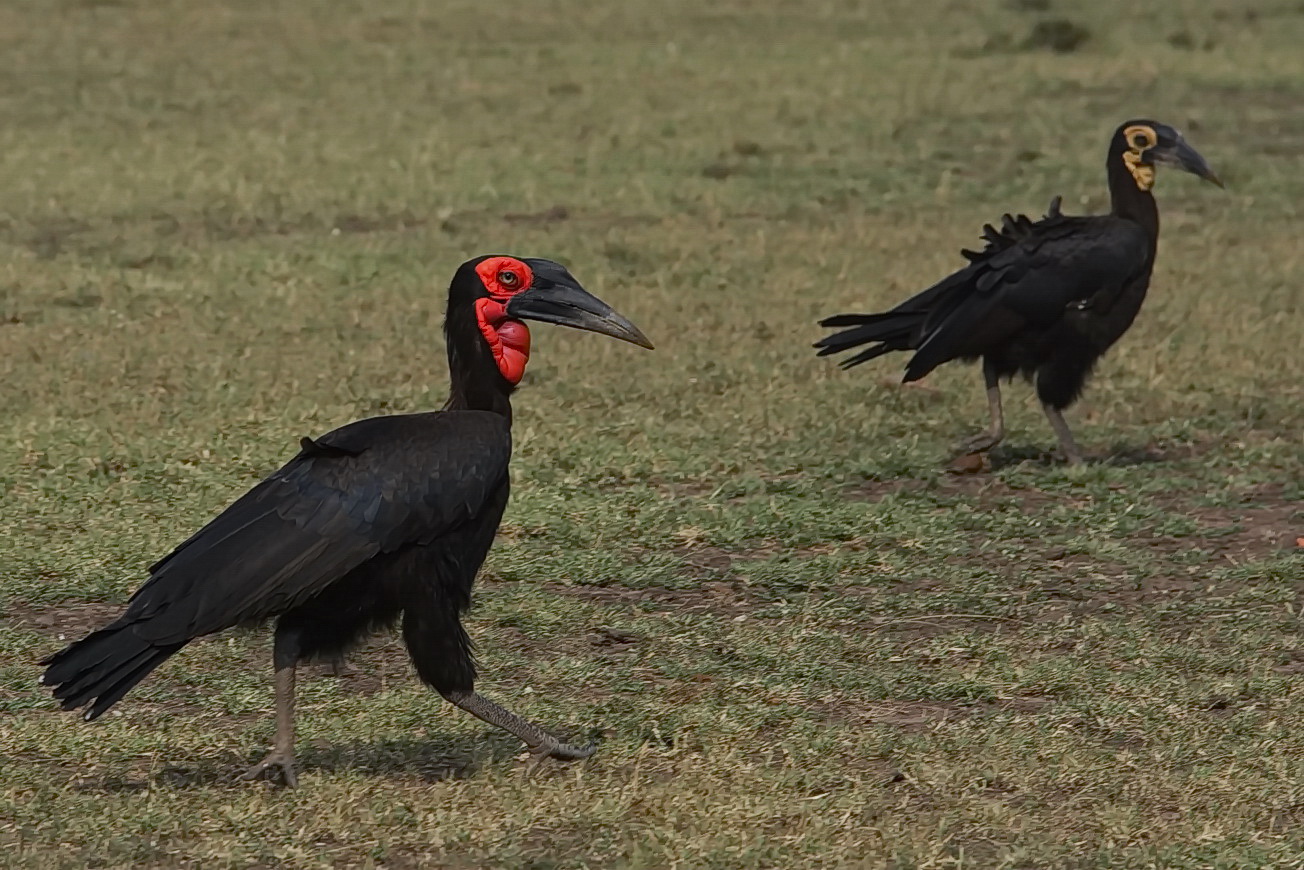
(1183,156)
(555,296)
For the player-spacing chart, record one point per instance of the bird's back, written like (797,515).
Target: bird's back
(1029,277)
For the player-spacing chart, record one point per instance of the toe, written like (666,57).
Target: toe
(568,752)
(274,769)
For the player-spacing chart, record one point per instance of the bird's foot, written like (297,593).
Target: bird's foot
(560,751)
(980,443)
(1073,457)
(277,767)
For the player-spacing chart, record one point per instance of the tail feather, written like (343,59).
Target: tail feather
(102,667)
(90,684)
(887,332)
(915,323)
(839,320)
(900,328)
(146,663)
(866,355)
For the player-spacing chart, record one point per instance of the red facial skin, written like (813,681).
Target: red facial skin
(503,278)
(508,339)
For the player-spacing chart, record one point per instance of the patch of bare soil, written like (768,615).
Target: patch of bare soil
(62,621)
(1267,522)
(553,215)
(1290,663)
(968,478)
(925,625)
(987,490)
(715,597)
(923,715)
(52,236)
(72,620)
(706,558)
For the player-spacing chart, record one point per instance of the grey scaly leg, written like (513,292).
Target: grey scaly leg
(984,441)
(279,763)
(340,667)
(540,742)
(1068,446)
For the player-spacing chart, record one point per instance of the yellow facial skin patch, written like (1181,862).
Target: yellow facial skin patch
(1139,140)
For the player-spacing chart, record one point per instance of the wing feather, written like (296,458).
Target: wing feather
(370,487)
(1030,284)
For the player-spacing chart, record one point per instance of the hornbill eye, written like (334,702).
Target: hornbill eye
(1143,139)
(508,279)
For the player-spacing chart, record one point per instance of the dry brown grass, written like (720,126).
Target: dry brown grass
(230,224)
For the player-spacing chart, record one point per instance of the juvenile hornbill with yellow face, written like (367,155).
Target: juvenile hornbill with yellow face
(1045,298)
(384,519)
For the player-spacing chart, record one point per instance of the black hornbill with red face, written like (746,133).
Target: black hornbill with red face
(1044,298)
(384,519)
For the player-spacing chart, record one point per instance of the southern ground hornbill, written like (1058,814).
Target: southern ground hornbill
(1045,298)
(383,519)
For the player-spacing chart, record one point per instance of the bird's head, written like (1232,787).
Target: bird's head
(505,291)
(1141,145)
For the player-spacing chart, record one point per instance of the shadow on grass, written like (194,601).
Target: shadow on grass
(1117,456)
(1005,456)
(1131,456)
(430,760)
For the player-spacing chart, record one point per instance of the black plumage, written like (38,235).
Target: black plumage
(1044,298)
(384,519)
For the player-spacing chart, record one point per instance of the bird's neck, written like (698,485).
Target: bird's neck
(1128,200)
(477,382)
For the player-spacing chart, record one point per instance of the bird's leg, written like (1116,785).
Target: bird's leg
(285,655)
(339,667)
(1068,446)
(984,441)
(541,743)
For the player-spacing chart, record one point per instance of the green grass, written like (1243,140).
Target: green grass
(229,224)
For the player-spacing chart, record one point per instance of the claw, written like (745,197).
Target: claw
(278,767)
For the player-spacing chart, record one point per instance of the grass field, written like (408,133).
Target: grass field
(226,225)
